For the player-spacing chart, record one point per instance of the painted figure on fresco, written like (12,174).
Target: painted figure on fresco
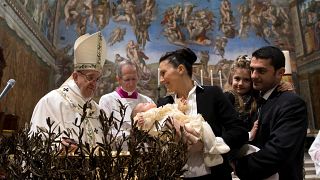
(102,14)
(88,6)
(197,23)
(118,59)
(204,59)
(81,26)
(148,8)
(224,66)
(310,16)
(227,24)
(80,12)
(198,26)
(36,12)
(125,11)
(70,12)
(44,17)
(142,33)
(42,13)
(269,21)
(144,22)
(225,11)
(138,16)
(172,30)
(244,21)
(188,8)
(132,52)
(274,16)
(220,45)
(116,35)
(136,55)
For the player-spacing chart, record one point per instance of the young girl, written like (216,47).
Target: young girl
(241,94)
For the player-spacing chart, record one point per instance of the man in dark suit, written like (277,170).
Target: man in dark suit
(282,123)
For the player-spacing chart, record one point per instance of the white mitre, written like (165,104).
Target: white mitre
(90,52)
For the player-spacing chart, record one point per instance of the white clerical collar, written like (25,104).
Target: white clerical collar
(268,93)
(129,93)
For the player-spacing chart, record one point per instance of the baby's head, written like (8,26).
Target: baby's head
(142,107)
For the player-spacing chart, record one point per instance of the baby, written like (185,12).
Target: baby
(148,116)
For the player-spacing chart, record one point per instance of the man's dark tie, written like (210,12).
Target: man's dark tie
(260,102)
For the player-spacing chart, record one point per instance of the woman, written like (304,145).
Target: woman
(210,102)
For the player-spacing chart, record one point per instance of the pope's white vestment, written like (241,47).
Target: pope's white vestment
(63,106)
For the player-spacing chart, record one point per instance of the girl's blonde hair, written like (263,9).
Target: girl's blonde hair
(243,62)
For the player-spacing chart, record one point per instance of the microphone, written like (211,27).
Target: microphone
(9,85)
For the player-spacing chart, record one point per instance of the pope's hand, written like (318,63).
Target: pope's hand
(69,144)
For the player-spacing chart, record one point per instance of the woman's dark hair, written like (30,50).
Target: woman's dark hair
(183,56)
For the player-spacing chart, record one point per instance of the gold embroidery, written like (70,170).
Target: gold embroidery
(90,111)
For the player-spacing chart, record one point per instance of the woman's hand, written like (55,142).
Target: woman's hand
(191,137)
(285,86)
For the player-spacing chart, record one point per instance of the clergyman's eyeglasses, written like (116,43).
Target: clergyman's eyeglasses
(90,78)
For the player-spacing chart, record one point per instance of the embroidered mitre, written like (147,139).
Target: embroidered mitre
(90,52)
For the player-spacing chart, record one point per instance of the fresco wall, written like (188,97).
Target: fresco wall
(143,30)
